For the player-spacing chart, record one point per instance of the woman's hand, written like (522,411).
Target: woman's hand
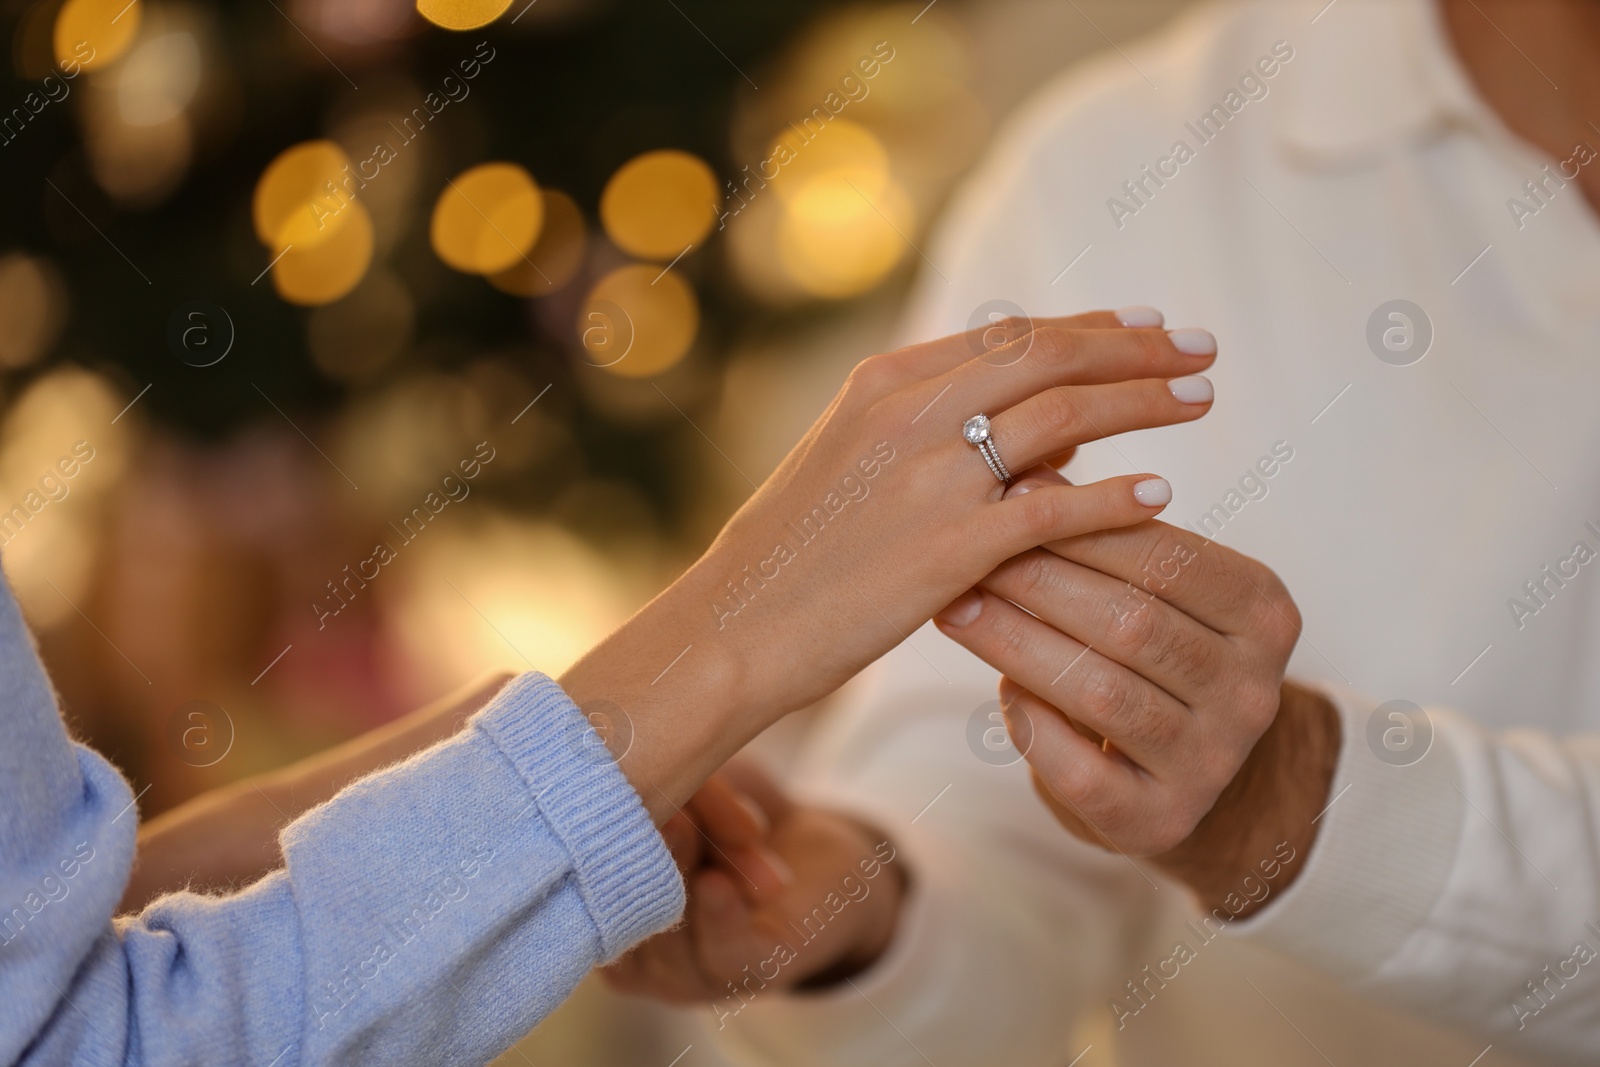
(779,895)
(880,516)
(1142,667)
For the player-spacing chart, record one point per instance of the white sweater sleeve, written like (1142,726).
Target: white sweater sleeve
(1011,930)
(1465,885)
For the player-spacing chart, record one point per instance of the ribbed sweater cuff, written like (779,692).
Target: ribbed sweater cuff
(624,872)
(1384,851)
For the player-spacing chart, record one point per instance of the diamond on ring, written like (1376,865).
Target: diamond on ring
(978,433)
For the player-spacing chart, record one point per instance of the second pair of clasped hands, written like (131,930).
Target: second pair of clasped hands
(1172,689)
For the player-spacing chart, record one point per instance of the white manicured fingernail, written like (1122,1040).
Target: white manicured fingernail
(1140,316)
(1153,492)
(1193,342)
(967,606)
(1195,389)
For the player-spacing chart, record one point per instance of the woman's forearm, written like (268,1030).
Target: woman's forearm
(229,836)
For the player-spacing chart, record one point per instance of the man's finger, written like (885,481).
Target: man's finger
(724,931)
(733,830)
(1214,585)
(649,971)
(1009,689)
(1145,634)
(1096,790)
(1226,591)
(669,970)
(759,873)
(1144,722)
(625,975)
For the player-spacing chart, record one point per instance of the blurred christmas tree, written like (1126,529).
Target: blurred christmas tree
(136,136)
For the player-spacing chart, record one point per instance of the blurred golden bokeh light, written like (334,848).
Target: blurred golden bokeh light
(399,438)
(858,132)
(51,558)
(159,79)
(919,74)
(840,151)
(358,336)
(137,165)
(299,199)
(638,321)
(355,23)
(321,274)
(32,308)
(513,593)
(555,257)
(94,33)
(487,218)
(659,204)
(835,241)
(752,249)
(462,14)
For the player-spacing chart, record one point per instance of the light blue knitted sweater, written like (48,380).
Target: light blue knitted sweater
(429,914)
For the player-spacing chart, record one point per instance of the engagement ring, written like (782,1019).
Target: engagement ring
(978,434)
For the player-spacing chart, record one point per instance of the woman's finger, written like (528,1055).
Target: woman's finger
(1026,520)
(936,357)
(1048,357)
(1060,459)
(1046,424)
(1146,725)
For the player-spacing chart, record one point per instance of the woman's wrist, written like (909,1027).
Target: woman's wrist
(670,696)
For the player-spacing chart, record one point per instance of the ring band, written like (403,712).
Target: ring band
(980,435)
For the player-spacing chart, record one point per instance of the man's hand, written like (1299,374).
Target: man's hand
(779,895)
(1264,821)
(1147,665)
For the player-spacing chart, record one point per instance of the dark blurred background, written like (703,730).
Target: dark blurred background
(528,294)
